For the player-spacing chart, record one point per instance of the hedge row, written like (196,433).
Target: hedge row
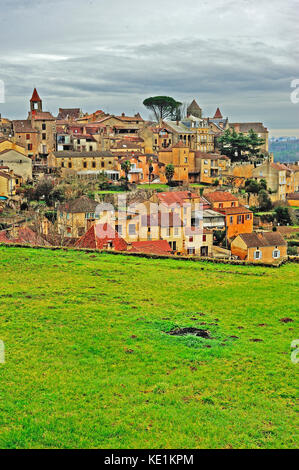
(293,259)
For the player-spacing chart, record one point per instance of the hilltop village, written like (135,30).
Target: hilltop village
(180,184)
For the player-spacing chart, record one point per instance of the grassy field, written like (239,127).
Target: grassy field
(88,362)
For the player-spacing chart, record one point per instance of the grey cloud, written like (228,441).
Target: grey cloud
(115,55)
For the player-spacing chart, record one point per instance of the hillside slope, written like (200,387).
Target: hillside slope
(89,363)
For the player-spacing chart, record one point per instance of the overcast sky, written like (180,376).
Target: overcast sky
(240,55)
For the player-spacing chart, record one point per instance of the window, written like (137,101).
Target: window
(84,164)
(233,204)
(191,239)
(70,164)
(239,219)
(257,254)
(29,146)
(248,217)
(132,229)
(204,238)
(231,219)
(206,162)
(27,136)
(90,148)
(102,164)
(43,127)
(191,251)
(176,231)
(186,160)
(93,164)
(44,136)
(220,205)
(276,253)
(62,164)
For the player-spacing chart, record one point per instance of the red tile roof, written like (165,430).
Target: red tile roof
(25,236)
(99,236)
(158,247)
(220,196)
(233,210)
(177,197)
(279,166)
(293,196)
(42,116)
(35,96)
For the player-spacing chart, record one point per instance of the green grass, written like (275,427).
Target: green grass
(88,363)
(153,186)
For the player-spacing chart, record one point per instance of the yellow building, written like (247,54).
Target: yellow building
(209,168)
(84,163)
(8,184)
(6,144)
(182,158)
(266,247)
(75,217)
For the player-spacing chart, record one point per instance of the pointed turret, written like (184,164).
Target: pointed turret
(218,114)
(35,102)
(194,109)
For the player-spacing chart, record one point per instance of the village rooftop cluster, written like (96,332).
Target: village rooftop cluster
(177,184)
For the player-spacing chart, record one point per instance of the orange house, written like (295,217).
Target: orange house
(237,220)
(222,200)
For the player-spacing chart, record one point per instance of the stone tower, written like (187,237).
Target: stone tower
(194,110)
(36,103)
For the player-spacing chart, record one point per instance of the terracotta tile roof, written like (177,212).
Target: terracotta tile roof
(137,117)
(293,167)
(246,126)
(233,210)
(279,166)
(220,196)
(100,236)
(177,197)
(42,116)
(23,126)
(72,154)
(73,113)
(25,236)
(77,206)
(293,196)
(35,96)
(218,114)
(158,247)
(210,156)
(255,239)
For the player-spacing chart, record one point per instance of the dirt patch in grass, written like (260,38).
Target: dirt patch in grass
(190,331)
(286,320)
